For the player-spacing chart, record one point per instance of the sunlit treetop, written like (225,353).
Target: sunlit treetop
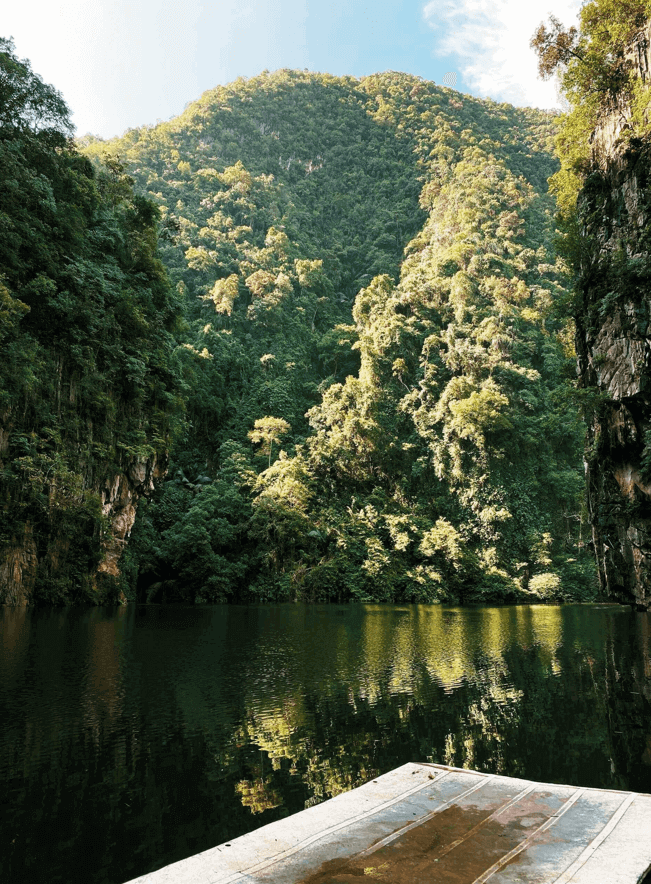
(595,69)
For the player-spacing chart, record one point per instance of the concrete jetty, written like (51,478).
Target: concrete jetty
(425,823)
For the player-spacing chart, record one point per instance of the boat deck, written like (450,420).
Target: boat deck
(430,823)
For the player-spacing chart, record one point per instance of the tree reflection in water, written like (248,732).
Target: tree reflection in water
(136,737)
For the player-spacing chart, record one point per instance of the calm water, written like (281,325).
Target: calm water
(132,738)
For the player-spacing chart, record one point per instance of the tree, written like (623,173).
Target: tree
(555,47)
(266,431)
(594,67)
(26,102)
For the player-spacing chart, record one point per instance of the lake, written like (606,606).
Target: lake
(133,737)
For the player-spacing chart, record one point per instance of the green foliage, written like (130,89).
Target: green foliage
(27,103)
(545,585)
(596,69)
(87,381)
(374,300)
(266,431)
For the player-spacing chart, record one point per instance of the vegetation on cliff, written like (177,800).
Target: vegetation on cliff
(87,381)
(597,73)
(604,192)
(378,368)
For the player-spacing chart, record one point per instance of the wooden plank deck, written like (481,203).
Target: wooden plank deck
(425,823)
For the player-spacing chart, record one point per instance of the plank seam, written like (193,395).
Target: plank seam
(422,820)
(581,860)
(529,839)
(494,815)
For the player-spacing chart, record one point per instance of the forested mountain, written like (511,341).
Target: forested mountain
(88,396)
(376,359)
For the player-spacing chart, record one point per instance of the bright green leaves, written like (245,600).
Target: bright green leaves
(447,558)
(595,67)
(281,525)
(223,294)
(266,432)
(237,178)
(200,258)
(476,415)
(468,348)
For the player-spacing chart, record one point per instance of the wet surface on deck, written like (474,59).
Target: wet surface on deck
(455,846)
(428,823)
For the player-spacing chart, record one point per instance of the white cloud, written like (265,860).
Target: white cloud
(490,40)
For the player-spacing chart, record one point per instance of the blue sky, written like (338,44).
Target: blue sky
(123,63)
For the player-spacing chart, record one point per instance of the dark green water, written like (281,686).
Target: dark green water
(132,738)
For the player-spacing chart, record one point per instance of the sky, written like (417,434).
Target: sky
(125,63)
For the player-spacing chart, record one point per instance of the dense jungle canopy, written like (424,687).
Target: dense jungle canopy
(375,355)
(377,360)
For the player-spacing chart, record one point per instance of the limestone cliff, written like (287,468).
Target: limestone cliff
(88,383)
(119,504)
(614,346)
(40,555)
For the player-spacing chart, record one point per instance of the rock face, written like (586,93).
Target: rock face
(119,503)
(18,569)
(24,561)
(613,321)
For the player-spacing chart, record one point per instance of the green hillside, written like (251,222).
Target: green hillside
(378,368)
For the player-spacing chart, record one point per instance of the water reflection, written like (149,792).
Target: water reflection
(154,733)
